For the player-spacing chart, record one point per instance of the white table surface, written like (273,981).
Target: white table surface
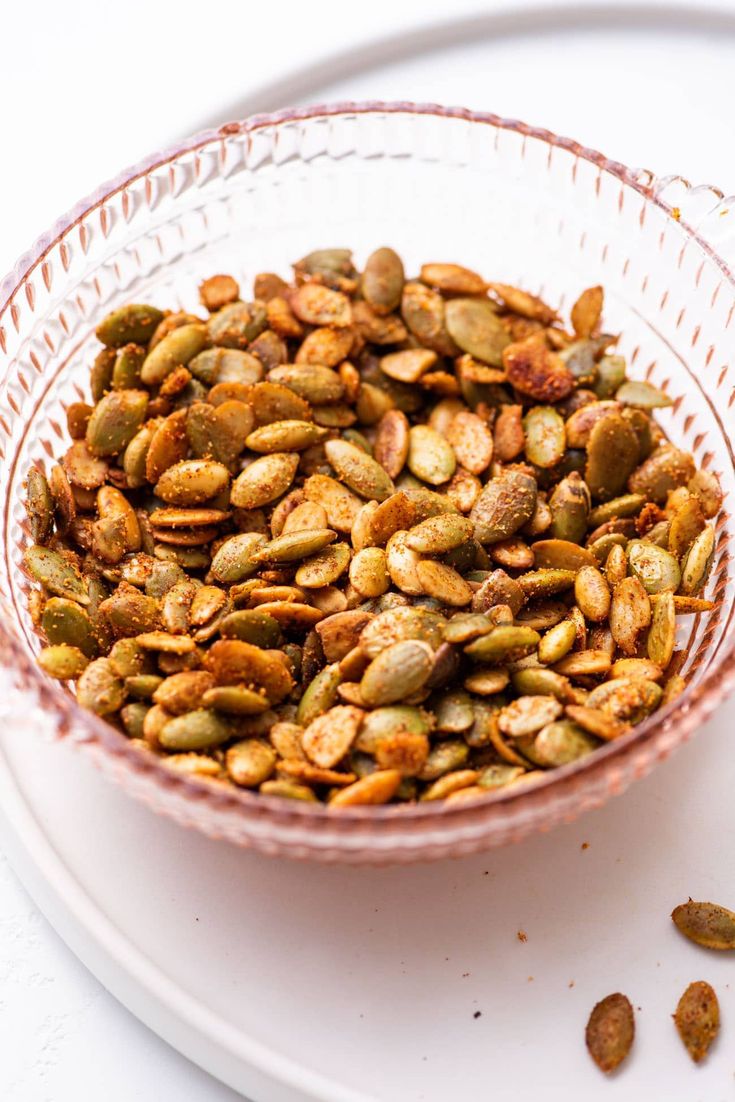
(85,90)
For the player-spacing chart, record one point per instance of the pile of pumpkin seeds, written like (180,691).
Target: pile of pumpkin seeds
(362,538)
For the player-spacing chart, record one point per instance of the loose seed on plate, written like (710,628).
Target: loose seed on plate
(610,1032)
(697,1019)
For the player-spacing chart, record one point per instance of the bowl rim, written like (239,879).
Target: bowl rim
(697,702)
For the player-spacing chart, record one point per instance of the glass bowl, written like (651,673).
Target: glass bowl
(520,205)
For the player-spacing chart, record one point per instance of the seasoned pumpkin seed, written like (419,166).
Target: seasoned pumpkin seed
(224,549)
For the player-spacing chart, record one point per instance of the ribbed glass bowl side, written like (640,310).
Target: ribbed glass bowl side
(518,204)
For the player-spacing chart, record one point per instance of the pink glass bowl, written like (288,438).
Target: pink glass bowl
(520,205)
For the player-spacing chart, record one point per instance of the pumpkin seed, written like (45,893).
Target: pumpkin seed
(360,471)
(592,593)
(636,392)
(657,570)
(250,762)
(233,560)
(474,325)
(201,729)
(661,473)
(471,440)
(134,322)
(698,561)
(324,567)
(630,613)
(192,481)
(707,924)
(597,722)
(545,435)
(423,311)
(443,582)
(376,788)
(99,690)
(382,281)
(610,1032)
(505,505)
(398,671)
(557,642)
(430,457)
(558,743)
(56,574)
(705,485)
(503,644)
(662,634)
(697,1019)
(369,572)
(63,662)
(528,714)
(612,453)
(536,371)
(629,699)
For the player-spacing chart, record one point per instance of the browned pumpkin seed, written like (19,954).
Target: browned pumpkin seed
(423,311)
(585,315)
(443,582)
(504,506)
(536,371)
(375,788)
(696,566)
(697,1019)
(610,1032)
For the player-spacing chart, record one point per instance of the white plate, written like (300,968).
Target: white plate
(294,982)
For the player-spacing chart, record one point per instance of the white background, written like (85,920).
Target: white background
(87,88)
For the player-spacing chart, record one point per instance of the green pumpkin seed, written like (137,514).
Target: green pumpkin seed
(293,546)
(656,569)
(323,568)
(545,436)
(253,625)
(284,436)
(707,924)
(697,1019)
(503,644)
(537,681)
(698,561)
(636,392)
(663,471)
(360,471)
(610,1032)
(320,694)
(369,572)
(546,582)
(234,558)
(423,311)
(662,635)
(629,505)
(474,325)
(430,457)
(39,505)
(397,672)
(250,762)
(557,642)
(235,700)
(558,743)
(134,323)
(115,420)
(610,376)
(313,382)
(612,453)
(56,574)
(64,621)
(505,505)
(99,690)
(63,662)
(197,730)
